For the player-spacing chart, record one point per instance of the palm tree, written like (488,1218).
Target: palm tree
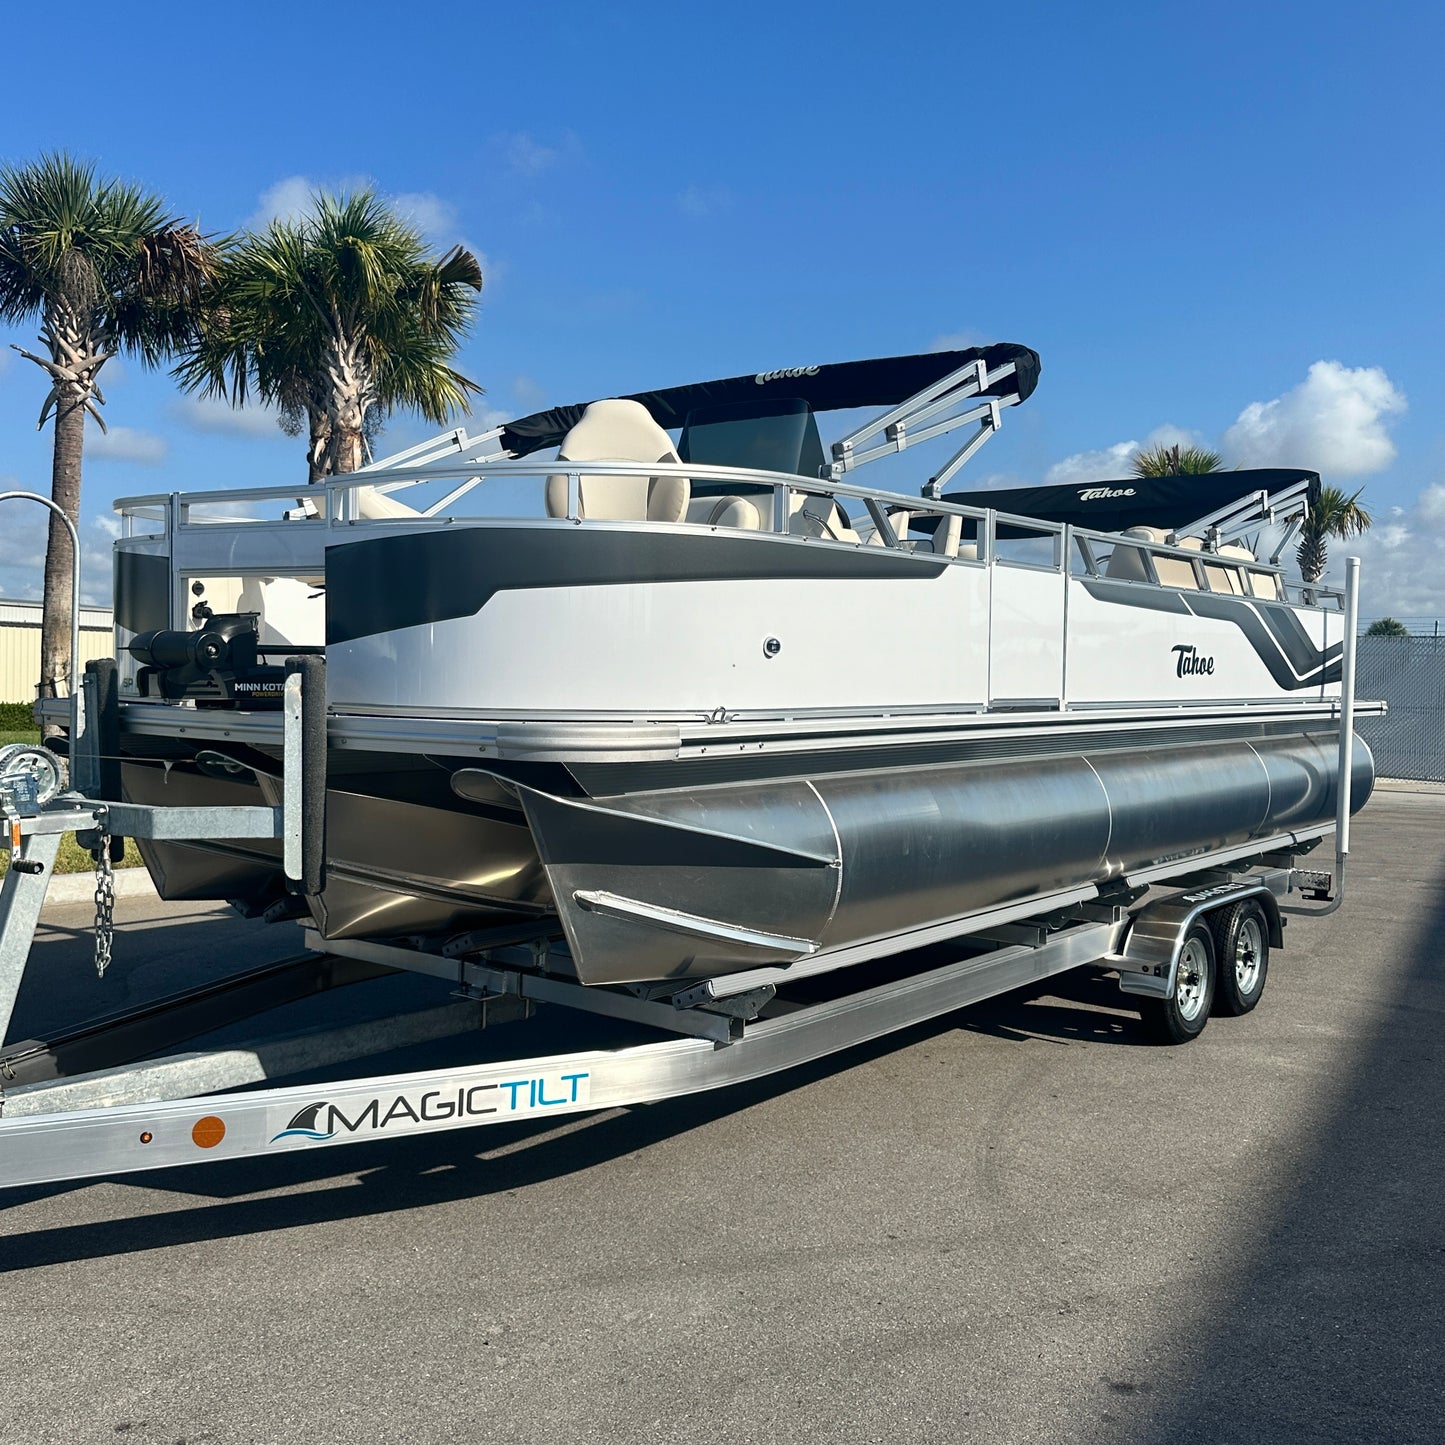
(105,269)
(337,319)
(1332,514)
(1162,461)
(1387,627)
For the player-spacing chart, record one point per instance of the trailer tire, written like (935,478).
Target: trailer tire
(1241,945)
(1183,1015)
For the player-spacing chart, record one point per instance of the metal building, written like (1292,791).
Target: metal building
(20,645)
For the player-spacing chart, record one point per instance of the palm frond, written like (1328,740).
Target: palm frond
(1175,461)
(104,250)
(351,279)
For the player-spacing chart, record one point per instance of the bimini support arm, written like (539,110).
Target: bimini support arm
(1289,504)
(928,414)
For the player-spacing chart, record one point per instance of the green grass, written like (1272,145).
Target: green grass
(72,858)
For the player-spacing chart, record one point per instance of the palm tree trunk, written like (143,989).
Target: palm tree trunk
(55,678)
(349,376)
(318,444)
(1311,555)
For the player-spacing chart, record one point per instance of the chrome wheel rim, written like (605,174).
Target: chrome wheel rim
(1248,955)
(1193,974)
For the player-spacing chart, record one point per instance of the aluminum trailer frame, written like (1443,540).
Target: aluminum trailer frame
(148,1135)
(121,1120)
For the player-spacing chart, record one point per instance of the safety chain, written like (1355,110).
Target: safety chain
(104,904)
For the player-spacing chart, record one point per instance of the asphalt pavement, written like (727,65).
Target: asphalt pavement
(1020,1223)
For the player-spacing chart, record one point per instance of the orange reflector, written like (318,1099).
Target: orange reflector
(208,1132)
(147,1137)
(14,835)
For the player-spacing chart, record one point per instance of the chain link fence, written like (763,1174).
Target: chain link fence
(1409,674)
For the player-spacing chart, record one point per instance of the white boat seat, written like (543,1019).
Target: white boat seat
(1224,579)
(1266,584)
(374,506)
(619,431)
(945,541)
(728,511)
(1232,578)
(810,515)
(946,537)
(1128,563)
(1253,580)
(898,519)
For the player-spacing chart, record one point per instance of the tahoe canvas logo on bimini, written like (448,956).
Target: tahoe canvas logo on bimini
(787,373)
(1099,494)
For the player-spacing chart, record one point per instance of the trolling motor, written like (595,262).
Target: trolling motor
(215,666)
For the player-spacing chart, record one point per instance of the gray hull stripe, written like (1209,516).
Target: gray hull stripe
(1276,634)
(412,578)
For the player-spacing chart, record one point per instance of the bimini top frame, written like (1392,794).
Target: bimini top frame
(1215,506)
(914,386)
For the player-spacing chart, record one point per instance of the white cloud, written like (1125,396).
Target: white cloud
(530,396)
(96,558)
(126,444)
(435,218)
(525,155)
(22,554)
(493,268)
(1335,421)
(484,417)
(1109,463)
(964,340)
(1399,559)
(287,200)
(701,202)
(293,198)
(219,418)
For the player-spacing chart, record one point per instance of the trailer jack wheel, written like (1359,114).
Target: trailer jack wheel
(1182,1016)
(1241,940)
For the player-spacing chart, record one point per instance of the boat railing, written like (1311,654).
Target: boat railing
(782,502)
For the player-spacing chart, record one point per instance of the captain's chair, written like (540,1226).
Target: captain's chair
(619,431)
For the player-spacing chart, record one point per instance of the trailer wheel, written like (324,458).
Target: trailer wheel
(1182,1016)
(1241,940)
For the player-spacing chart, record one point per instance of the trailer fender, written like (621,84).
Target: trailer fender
(1148,958)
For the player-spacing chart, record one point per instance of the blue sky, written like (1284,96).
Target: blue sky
(1217,221)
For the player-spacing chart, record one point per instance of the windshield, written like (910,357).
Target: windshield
(776,435)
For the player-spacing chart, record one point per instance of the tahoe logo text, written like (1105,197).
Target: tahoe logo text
(1099,494)
(786,372)
(1189,662)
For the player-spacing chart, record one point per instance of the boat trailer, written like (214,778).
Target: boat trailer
(106,1098)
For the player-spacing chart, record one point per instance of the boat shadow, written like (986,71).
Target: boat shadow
(408,1172)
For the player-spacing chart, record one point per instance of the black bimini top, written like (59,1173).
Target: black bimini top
(1168,502)
(841,386)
